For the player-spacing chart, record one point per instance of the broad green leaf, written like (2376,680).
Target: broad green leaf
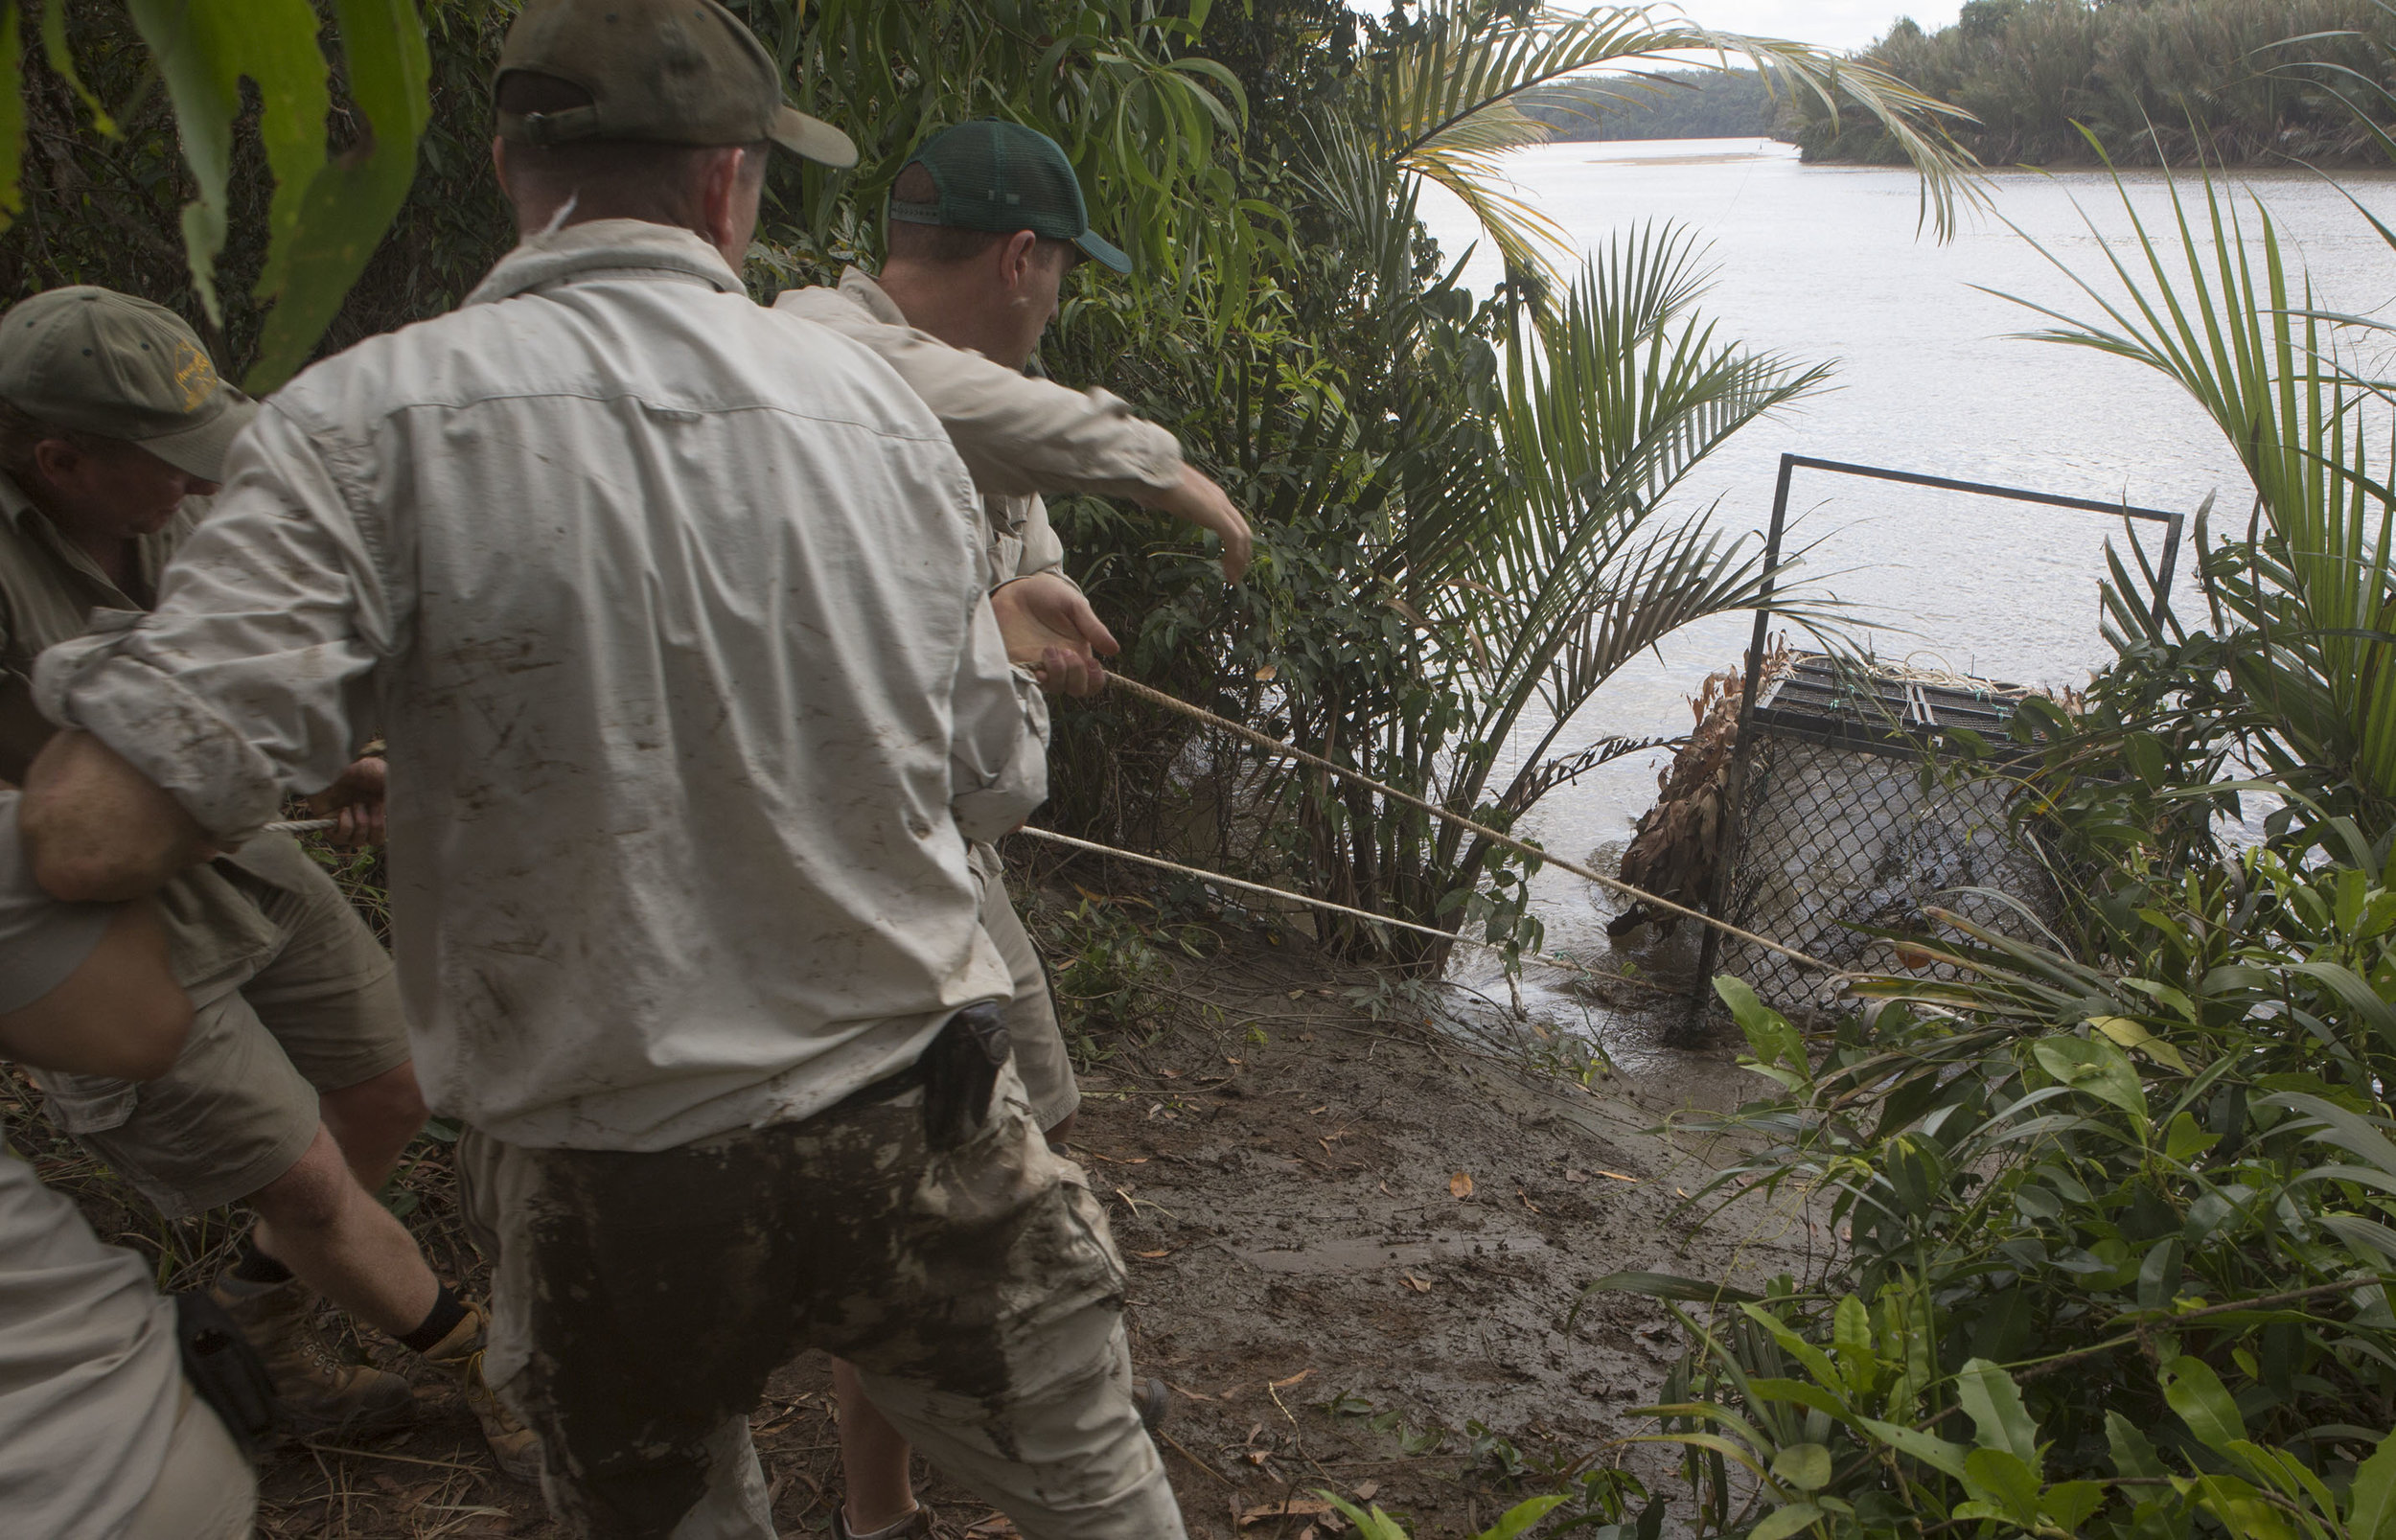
(1802,1393)
(1781,1523)
(1994,1402)
(351,199)
(2095,1066)
(1996,1476)
(60,59)
(2132,1034)
(2185,1140)
(1370,1524)
(1809,1357)
(1929,1448)
(1522,1516)
(1770,1037)
(1850,1335)
(2371,1504)
(2145,753)
(2196,1393)
(206,49)
(1806,1467)
(2242,1510)
(2069,1503)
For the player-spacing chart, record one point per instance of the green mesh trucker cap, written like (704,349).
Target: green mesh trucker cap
(675,72)
(102,362)
(1004,177)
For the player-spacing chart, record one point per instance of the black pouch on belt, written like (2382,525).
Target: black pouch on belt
(225,1371)
(958,1071)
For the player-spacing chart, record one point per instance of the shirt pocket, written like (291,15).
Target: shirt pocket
(87,1104)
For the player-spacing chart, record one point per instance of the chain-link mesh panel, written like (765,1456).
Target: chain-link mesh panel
(1835,837)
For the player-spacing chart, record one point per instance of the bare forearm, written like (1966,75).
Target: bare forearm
(98,831)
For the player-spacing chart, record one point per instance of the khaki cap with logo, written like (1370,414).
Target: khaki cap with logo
(102,362)
(676,72)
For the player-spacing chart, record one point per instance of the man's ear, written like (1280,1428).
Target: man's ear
(721,211)
(1015,256)
(57,461)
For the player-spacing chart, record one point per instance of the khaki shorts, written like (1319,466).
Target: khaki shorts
(1031,1022)
(239,1108)
(641,1300)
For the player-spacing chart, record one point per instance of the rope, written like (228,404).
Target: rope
(313,825)
(1274,745)
(1221,881)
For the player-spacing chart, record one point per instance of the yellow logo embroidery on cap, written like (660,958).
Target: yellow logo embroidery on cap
(193,375)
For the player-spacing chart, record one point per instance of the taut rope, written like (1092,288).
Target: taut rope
(1274,745)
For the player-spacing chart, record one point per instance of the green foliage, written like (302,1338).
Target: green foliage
(2116,1211)
(2153,82)
(2105,1272)
(271,234)
(327,208)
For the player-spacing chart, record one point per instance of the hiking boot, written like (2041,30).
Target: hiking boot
(316,1392)
(515,1447)
(917,1526)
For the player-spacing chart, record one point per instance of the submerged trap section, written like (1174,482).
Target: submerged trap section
(1845,809)
(1853,820)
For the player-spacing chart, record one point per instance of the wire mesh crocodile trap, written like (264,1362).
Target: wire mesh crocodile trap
(1853,819)
(1840,811)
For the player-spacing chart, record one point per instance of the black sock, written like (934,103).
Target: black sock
(257,1267)
(448,1310)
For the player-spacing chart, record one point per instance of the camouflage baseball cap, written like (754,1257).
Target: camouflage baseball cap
(1004,177)
(103,362)
(676,72)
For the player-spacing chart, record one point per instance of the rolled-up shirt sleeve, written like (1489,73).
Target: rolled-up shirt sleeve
(999,752)
(248,679)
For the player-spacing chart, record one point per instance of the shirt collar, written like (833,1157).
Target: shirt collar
(601,245)
(13,503)
(861,290)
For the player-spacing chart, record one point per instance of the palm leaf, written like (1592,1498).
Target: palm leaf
(1444,101)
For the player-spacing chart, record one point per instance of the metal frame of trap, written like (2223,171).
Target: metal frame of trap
(1923,737)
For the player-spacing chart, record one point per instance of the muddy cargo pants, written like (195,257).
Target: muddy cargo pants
(641,1300)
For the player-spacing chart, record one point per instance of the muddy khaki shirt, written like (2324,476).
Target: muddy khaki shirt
(49,589)
(1019,436)
(671,608)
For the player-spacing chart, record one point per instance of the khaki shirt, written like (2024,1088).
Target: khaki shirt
(674,610)
(49,589)
(1019,436)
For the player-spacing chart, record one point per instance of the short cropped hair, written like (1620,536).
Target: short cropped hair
(607,179)
(944,246)
(21,433)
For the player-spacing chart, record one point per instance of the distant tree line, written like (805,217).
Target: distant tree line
(1673,104)
(2238,80)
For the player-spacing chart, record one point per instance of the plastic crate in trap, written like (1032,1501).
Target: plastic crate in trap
(1855,816)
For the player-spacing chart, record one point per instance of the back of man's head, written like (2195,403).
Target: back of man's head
(600,178)
(609,108)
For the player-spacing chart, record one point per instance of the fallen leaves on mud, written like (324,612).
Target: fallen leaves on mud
(1460,1186)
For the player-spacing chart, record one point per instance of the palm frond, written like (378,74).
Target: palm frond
(2211,305)
(1444,99)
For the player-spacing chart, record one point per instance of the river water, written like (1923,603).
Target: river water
(1825,262)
